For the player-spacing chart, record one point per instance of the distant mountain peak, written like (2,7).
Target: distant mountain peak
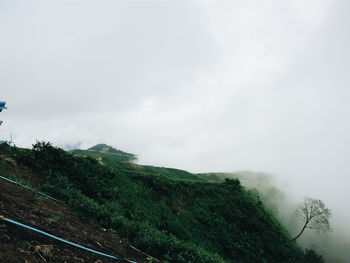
(108,149)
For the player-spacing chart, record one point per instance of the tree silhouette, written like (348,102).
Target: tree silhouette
(314,214)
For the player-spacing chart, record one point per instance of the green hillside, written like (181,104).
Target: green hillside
(106,153)
(119,163)
(104,148)
(171,214)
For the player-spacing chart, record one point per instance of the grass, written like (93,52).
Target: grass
(174,215)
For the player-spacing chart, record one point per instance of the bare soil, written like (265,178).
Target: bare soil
(18,245)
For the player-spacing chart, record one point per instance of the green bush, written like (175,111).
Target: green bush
(176,221)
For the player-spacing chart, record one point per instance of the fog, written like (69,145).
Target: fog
(277,197)
(198,85)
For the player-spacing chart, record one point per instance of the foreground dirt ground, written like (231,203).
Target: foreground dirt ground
(18,245)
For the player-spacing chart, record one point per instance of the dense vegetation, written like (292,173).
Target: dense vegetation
(120,163)
(179,221)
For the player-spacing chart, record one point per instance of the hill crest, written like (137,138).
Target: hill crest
(101,147)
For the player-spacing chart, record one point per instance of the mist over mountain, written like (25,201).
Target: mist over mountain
(207,86)
(171,214)
(106,148)
(277,196)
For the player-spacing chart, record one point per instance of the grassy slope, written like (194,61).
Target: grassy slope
(28,207)
(120,164)
(176,220)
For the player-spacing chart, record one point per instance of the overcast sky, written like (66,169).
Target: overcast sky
(198,85)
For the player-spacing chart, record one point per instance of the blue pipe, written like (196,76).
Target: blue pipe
(65,241)
(27,187)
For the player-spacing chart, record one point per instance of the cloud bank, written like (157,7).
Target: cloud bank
(198,85)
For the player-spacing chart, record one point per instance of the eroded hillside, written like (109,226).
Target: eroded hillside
(20,245)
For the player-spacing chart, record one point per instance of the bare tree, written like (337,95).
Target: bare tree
(314,214)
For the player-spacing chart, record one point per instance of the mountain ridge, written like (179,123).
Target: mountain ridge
(166,214)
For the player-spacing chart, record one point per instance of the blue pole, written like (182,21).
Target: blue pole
(27,187)
(64,241)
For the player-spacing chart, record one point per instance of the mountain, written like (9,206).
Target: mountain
(106,153)
(108,149)
(171,214)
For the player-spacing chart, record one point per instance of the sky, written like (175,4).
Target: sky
(194,84)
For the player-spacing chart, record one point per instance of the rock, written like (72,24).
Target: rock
(45,249)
